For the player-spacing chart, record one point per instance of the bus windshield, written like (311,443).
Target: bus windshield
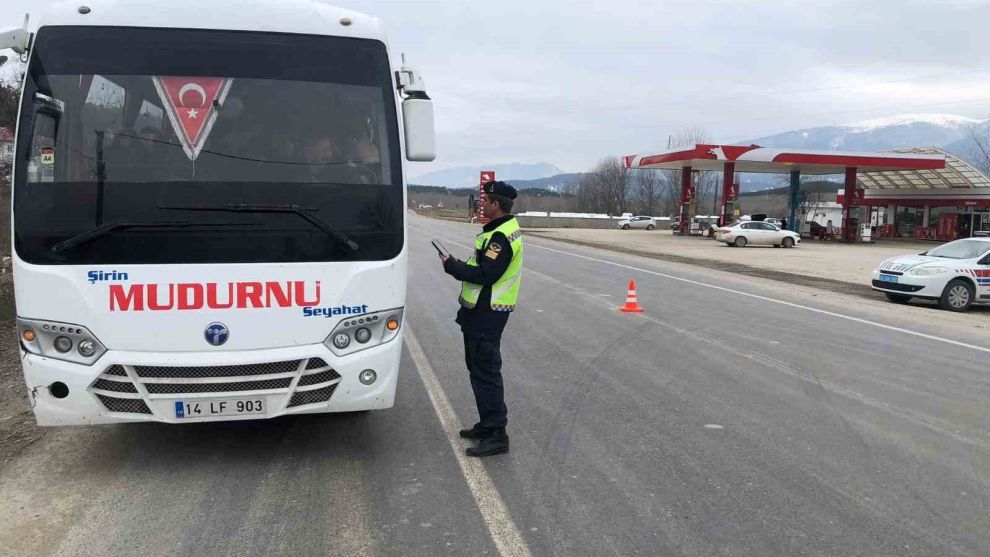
(122,129)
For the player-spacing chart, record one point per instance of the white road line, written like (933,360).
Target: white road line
(501,527)
(771,300)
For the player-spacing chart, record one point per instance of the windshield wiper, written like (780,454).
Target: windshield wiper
(263,208)
(103,230)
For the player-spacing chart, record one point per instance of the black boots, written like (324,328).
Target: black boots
(476,432)
(496,442)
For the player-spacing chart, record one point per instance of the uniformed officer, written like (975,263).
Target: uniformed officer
(489,289)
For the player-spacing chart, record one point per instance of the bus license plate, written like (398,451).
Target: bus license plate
(217,407)
(888,278)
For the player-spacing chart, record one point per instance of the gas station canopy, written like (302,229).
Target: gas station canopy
(773,160)
(730,159)
(957,173)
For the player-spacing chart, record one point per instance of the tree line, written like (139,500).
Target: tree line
(613,189)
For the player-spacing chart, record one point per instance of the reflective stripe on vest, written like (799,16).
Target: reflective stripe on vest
(505,291)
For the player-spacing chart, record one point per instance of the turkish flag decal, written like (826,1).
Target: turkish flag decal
(191,104)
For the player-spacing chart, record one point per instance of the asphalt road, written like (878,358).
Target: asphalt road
(737,416)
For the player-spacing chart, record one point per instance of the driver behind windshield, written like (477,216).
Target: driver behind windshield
(342,157)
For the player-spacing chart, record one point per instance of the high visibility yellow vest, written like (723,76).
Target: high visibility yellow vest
(505,291)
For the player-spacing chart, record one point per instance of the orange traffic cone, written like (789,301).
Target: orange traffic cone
(632,305)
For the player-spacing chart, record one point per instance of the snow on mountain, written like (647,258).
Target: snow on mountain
(893,132)
(943,120)
(904,130)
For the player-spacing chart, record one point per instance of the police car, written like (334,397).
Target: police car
(957,274)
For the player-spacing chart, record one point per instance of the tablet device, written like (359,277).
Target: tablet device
(440,248)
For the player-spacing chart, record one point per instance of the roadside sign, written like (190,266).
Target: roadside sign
(486,176)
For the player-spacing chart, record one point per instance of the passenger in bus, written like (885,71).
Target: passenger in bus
(366,152)
(328,160)
(320,152)
(154,156)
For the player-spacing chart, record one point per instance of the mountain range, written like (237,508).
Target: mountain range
(467,176)
(948,131)
(904,130)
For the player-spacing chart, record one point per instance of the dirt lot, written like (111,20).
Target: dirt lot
(813,263)
(17,427)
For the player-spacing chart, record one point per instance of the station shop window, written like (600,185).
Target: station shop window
(908,218)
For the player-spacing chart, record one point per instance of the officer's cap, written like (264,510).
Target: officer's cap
(500,188)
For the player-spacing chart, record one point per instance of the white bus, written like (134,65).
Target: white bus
(209,210)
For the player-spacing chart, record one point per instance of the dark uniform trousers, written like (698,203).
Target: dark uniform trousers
(482,326)
(482,354)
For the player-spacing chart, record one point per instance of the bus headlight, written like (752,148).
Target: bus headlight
(87,348)
(369,329)
(63,344)
(56,340)
(362,335)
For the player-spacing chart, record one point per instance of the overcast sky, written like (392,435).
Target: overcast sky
(568,81)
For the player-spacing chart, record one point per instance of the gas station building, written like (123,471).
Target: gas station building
(942,204)
(925,192)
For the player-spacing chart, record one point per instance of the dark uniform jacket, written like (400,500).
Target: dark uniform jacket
(482,319)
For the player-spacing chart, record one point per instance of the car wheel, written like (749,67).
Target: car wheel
(897,298)
(740,242)
(788,243)
(625,227)
(957,296)
(650,227)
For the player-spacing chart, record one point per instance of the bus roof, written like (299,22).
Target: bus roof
(277,16)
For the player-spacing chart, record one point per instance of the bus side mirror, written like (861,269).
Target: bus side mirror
(417,117)
(17,39)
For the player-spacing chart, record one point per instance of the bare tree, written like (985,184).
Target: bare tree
(11,77)
(670,195)
(706,183)
(980,151)
(813,200)
(706,190)
(689,136)
(605,189)
(648,191)
(585,194)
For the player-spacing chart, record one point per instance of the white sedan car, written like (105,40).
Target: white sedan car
(957,274)
(649,223)
(756,233)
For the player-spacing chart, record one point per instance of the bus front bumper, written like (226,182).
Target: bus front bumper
(196,387)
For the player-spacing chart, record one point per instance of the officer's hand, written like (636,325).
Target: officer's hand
(443,259)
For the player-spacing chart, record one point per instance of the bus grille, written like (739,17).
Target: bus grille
(116,370)
(312,397)
(115,386)
(126,405)
(315,382)
(177,388)
(317,378)
(267,368)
